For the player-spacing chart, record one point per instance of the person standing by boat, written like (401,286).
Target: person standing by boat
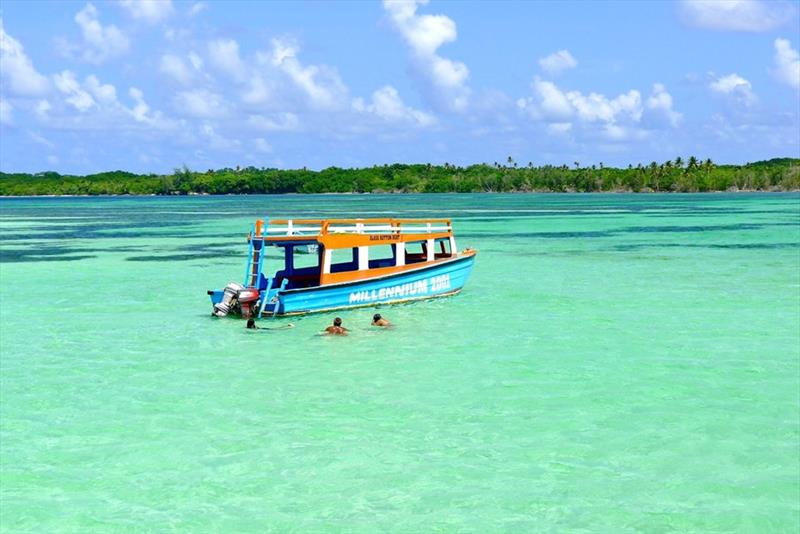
(336,329)
(377,320)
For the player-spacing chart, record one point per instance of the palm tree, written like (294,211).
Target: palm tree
(679,162)
(577,164)
(692,163)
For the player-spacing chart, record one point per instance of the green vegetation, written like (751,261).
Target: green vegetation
(690,176)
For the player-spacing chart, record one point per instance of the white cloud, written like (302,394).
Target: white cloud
(425,34)
(197,8)
(257,91)
(735,86)
(18,73)
(262,145)
(6,112)
(615,119)
(661,101)
(737,15)
(37,138)
(103,93)
(200,103)
(196,61)
(387,105)
(224,55)
(321,85)
(99,42)
(553,104)
(558,62)
(42,108)
(151,11)
(76,96)
(175,68)
(140,108)
(280,122)
(559,128)
(787,63)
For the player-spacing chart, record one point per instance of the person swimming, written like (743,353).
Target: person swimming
(336,329)
(377,320)
(251,325)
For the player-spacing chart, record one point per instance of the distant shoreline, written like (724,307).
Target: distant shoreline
(621,192)
(674,176)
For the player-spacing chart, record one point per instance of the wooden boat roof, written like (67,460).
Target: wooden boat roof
(347,233)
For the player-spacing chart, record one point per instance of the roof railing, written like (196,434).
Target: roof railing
(318,227)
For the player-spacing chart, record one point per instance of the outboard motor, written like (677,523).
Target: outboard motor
(248,301)
(229,299)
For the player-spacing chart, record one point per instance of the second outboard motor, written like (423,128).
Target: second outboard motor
(229,296)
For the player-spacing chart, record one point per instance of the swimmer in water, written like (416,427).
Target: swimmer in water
(336,329)
(251,325)
(377,320)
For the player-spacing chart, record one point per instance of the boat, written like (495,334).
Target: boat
(354,263)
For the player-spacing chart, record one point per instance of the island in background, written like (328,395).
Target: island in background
(691,175)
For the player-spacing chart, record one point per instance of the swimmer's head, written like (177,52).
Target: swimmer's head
(376,317)
(337,321)
(251,323)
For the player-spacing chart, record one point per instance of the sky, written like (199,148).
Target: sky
(149,86)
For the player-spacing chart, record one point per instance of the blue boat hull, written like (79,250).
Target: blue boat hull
(436,280)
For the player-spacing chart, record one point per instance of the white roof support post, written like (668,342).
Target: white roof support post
(453,248)
(326,261)
(429,244)
(400,254)
(363,258)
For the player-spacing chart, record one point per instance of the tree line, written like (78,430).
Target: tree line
(691,175)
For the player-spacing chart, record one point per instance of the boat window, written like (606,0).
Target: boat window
(442,248)
(344,259)
(306,256)
(381,256)
(416,251)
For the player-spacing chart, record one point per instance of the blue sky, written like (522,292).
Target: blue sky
(148,86)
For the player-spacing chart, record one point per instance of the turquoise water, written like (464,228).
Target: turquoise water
(616,363)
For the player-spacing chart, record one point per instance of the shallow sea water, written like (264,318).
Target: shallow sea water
(616,363)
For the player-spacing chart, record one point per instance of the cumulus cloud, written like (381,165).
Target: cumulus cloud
(197,8)
(261,145)
(425,34)
(99,42)
(615,119)
(150,11)
(735,87)
(140,109)
(558,62)
(661,101)
(737,15)
(321,85)
(224,56)
(787,63)
(200,103)
(387,105)
(75,95)
(174,67)
(283,121)
(553,104)
(19,75)
(42,108)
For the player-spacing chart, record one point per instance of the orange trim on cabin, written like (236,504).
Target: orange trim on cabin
(339,241)
(351,276)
